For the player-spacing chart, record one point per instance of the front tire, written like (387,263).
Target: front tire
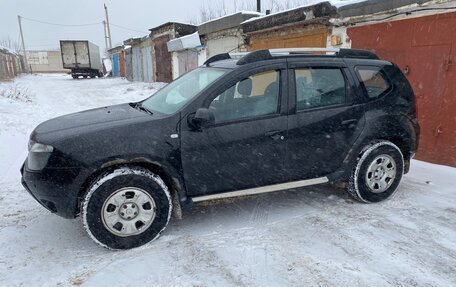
(126,208)
(377,173)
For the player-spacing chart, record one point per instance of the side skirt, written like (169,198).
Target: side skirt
(263,189)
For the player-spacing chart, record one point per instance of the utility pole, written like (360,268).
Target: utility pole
(107,25)
(105,36)
(23,45)
(259,6)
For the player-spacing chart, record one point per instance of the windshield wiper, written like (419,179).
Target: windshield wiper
(142,108)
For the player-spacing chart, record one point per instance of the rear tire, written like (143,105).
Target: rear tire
(377,173)
(126,208)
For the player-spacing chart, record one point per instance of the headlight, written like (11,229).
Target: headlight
(37,147)
(38,155)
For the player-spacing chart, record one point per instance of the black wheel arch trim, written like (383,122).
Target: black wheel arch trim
(171,176)
(397,127)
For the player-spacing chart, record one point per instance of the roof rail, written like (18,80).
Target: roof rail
(262,55)
(217,58)
(256,56)
(289,51)
(359,54)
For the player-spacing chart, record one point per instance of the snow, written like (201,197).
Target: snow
(314,236)
(309,3)
(253,13)
(11,51)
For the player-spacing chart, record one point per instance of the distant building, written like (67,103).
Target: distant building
(45,62)
(307,26)
(132,61)
(186,53)
(224,34)
(161,35)
(117,57)
(11,64)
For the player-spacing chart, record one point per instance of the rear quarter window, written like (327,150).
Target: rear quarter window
(373,81)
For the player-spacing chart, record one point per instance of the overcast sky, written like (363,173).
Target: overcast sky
(138,15)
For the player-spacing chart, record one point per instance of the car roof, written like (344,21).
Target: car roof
(352,56)
(233,63)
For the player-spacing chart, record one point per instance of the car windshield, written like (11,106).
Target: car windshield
(179,92)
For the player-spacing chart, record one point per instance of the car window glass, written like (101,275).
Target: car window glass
(179,92)
(253,96)
(373,81)
(319,87)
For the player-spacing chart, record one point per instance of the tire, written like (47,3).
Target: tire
(126,208)
(377,172)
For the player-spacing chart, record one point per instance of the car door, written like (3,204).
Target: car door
(325,119)
(245,147)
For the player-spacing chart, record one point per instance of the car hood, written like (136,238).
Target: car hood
(110,114)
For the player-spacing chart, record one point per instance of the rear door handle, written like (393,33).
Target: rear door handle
(275,135)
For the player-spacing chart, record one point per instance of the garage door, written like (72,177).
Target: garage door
(163,71)
(425,48)
(309,38)
(222,45)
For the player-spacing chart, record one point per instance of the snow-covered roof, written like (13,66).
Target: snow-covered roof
(253,13)
(184,42)
(321,11)
(226,22)
(8,50)
(335,3)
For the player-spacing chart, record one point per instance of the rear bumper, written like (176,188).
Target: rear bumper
(55,189)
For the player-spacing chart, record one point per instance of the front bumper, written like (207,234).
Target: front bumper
(57,189)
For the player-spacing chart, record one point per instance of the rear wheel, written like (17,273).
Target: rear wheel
(377,173)
(126,208)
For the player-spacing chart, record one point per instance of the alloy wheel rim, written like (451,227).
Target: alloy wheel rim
(128,211)
(381,173)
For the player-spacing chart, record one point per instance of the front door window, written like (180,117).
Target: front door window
(256,95)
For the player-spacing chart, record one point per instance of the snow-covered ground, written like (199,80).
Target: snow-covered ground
(313,236)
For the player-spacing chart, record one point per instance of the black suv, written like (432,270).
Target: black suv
(238,125)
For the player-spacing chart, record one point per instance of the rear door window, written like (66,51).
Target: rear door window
(373,81)
(319,87)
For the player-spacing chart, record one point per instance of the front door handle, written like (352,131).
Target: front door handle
(351,123)
(275,135)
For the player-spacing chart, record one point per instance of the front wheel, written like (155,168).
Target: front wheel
(377,173)
(126,208)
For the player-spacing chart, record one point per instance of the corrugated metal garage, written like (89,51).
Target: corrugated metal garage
(160,36)
(424,48)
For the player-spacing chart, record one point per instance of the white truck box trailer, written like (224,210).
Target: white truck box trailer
(82,58)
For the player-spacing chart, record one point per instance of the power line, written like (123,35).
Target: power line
(58,24)
(125,28)
(42,45)
(81,25)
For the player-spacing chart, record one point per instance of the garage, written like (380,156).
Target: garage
(301,27)
(424,49)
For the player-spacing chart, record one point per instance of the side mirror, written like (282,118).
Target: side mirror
(203,117)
